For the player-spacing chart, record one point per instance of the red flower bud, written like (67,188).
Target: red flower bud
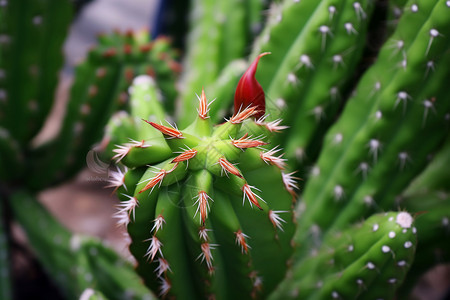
(249,92)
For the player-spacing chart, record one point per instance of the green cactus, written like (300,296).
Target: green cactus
(315,48)
(194,191)
(32,34)
(370,153)
(367,261)
(74,261)
(213,24)
(99,90)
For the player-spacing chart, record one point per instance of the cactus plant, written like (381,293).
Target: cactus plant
(193,188)
(212,206)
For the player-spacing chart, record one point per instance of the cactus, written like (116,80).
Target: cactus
(428,197)
(76,262)
(31,56)
(367,261)
(100,89)
(213,24)
(194,191)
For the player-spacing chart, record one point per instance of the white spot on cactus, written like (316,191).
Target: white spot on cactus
(324,30)
(414,8)
(414,230)
(319,113)
(403,157)
(385,249)
(350,248)
(378,114)
(338,61)
(359,281)
(375,227)
(433,34)
(374,148)
(445,222)
(332,11)
(363,168)
(391,219)
(368,200)
(370,266)
(305,60)
(338,137)
(401,263)
(404,219)
(334,93)
(402,96)
(4,39)
(404,62)
(319,284)
(300,154)
(37,20)
(3,95)
(360,14)
(350,28)
(428,105)
(292,79)
(447,3)
(315,171)
(392,280)
(408,244)
(391,234)
(3,3)
(335,295)
(338,192)
(281,103)
(397,12)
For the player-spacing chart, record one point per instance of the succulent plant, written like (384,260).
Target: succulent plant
(182,200)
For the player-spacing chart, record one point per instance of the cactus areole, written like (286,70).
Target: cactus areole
(212,194)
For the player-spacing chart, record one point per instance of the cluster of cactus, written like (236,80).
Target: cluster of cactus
(214,209)
(31,37)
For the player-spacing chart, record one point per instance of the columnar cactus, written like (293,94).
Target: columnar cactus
(99,90)
(76,262)
(315,48)
(367,261)
(197,201)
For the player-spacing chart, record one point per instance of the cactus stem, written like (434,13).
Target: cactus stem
(241,240)
(172,132)
(228,167)
(203,205)
(158,224)
(270,158)
(252,197)
(153,249)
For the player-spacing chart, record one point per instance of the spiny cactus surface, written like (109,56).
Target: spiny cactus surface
(214,206)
